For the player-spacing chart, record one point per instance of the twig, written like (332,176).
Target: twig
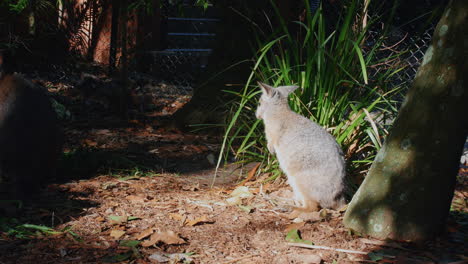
(396,44)
(241,258)
(302,245)
(334,249)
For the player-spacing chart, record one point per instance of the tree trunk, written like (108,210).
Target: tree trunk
(124,58)
(114,35)
(409,188)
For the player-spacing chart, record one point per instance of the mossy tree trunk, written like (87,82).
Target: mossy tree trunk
(409,188)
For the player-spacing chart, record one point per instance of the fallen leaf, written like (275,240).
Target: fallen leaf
(234,200)
(241,192)
(90,142)
(173,258)
(179,217)
(159,257)
(144,234)
(116,234)
(129,243)
(167,237)
(251,174)
(293,236)
(180,258)
(154,151)
(103,132)
(117,219)
(311,216)
(118,258)
(294,226)
(245,208)
(200,220)
(307,258)
(148,243)
(171,238)
(135,199)
(193,188)
(132,218)
(375,256)
(176,216)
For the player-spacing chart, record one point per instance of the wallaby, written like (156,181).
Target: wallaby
(311,158)
(30,138)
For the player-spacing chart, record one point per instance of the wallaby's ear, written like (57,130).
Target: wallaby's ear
(267,89)
(286,90)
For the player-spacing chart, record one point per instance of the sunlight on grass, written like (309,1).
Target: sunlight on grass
(337,92)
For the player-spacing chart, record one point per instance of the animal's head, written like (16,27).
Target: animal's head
(272,98)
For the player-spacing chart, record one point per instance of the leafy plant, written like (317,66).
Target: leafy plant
(20,5)
(29,231)
(332,68)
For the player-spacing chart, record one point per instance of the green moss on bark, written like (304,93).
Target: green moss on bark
(410,185)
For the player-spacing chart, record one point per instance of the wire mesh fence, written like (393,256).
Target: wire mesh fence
(190,36)
(411,48)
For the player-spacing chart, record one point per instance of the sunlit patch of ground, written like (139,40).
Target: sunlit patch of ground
(136,192)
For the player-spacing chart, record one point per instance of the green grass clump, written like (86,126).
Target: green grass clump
(332,68)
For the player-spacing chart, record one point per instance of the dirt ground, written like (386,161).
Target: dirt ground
(145,194)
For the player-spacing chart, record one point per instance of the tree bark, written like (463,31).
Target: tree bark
(124,58)
(409,188)
(114,35)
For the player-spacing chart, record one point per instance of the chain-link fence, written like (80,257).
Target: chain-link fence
(189,35)
(406,52)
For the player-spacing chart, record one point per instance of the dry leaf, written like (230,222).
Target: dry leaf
(251,174)
(117,234)
(90,143)
(171,238)
(135,199)
(308,258)
(310,216)
(153,240)
(241,192)
(234,200)
(193,187)
(199,220)
(103,132)
(144,234)
(294,226)
(179,217)
(167,237)
(117,219)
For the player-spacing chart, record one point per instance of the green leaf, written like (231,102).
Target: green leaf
(376,255)
(44,229)
(247,209)
(117,218)
(293,236)
(118,258)
(129,243)
(131,218)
